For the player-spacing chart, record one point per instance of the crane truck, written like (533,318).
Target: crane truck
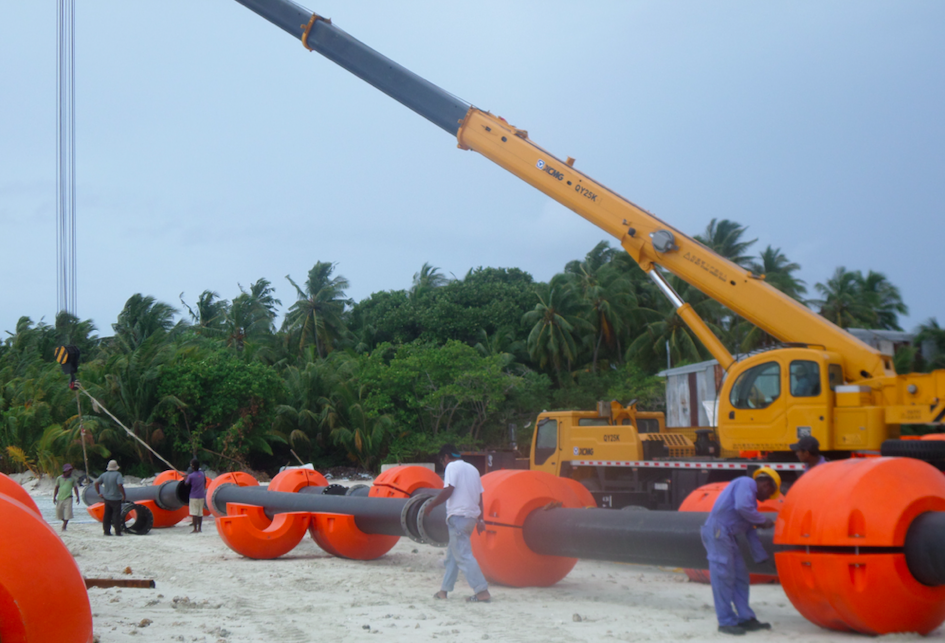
(821,381)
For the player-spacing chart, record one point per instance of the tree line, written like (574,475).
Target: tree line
(389,378)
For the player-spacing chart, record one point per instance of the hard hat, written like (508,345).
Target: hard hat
(771,473)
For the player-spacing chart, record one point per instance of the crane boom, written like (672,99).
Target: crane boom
(650,241)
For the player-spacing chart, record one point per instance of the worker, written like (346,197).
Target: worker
(112,496)
(462,493)
(196,482)
(807,450)
(736,512)
(62,495)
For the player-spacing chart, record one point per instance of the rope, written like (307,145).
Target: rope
(97,404)
(85,455)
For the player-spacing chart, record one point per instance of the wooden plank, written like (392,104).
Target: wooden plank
(146,583)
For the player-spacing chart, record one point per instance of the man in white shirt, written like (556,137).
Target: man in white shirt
(462,493)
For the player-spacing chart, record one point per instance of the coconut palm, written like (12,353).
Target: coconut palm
(557,322)
(427,279)
(778,272)
(724,237)
(606,291)
(884,299)
(141,318)
(843,301)
(318,314)
(252,314)
(209,315)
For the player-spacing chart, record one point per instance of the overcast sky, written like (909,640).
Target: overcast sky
(213,150)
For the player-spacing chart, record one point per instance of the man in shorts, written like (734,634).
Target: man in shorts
(62,495)
(197,482)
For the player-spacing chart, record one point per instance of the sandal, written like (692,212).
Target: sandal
(476,599)
(438,597)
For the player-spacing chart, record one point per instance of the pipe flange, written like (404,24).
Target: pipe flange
(423,533)
(410,526)
(335,490)
(213,498)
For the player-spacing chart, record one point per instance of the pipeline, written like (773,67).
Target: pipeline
(857,545)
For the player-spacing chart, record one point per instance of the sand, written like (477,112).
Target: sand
(206,592)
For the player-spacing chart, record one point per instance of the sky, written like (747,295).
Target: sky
(212,150)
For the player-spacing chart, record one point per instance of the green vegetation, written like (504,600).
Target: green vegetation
(389,378)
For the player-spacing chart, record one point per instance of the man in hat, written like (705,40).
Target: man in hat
(462,493)
(62,495)
(111,486)
(807,450)
(736,512)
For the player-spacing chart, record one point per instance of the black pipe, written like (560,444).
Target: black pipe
(667,538)
(169,496)
(371,515)
(925,553)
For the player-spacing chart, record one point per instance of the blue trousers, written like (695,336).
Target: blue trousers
(459,556)
(729,575)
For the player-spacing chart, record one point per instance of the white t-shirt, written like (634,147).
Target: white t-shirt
(467,487)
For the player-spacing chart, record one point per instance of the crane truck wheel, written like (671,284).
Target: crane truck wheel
(925,450)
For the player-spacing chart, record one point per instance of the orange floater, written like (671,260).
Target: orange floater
(510,496)
(852,517)
(42,593)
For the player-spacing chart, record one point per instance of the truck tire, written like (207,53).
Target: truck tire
(143,518)
(925,450)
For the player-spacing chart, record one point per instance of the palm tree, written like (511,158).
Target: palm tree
(884,299)
(606,291)
(252,314)
(318,314)
(778,272)
(724,237)
(210,314)
(427,279)
(843,300)
(363,434)
(141,318)
(931,338)
(556,321)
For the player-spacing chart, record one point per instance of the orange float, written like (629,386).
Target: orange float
(10,487)
(237,478)
(338,535)
(702,500)
(403,481)
(510,495)
(294,480)
(42,592)
(247,530)
(851,573)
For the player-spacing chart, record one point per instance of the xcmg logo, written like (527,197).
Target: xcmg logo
(544,167)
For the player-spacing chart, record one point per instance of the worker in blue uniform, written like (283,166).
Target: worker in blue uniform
(736,512)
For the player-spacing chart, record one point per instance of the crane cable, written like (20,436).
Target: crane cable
(98,405)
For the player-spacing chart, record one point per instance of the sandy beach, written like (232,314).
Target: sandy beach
(206,592)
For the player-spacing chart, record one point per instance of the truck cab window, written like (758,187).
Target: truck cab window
(546,442)
(648,425)
(757,387)
(805,378)
(593,422)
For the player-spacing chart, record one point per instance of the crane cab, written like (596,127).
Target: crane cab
(770,400)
